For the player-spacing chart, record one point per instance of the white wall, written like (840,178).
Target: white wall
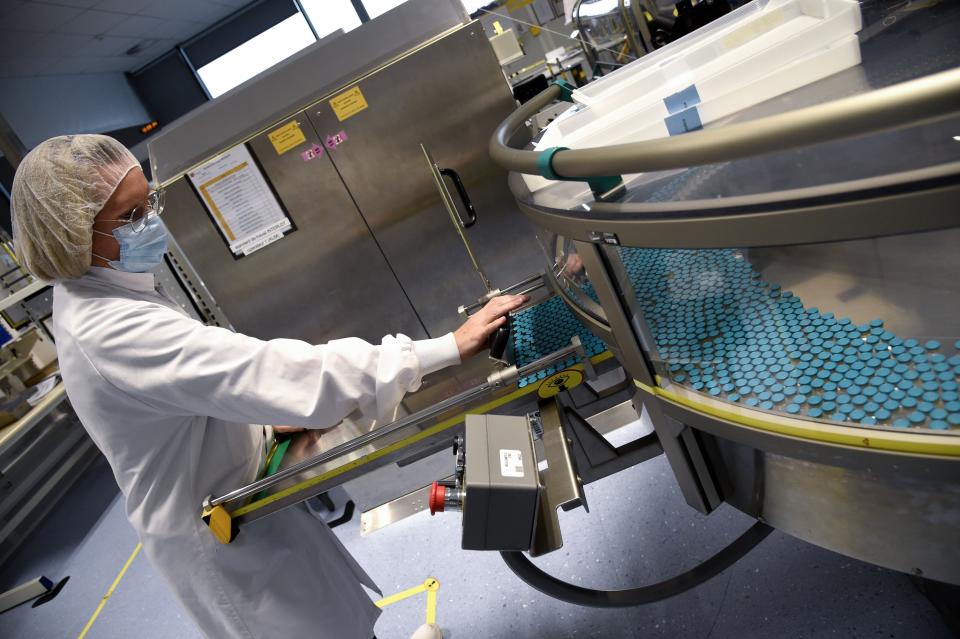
(40,107)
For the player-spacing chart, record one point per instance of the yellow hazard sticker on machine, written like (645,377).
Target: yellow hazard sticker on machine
(561,381)
(287,137)
(348,103)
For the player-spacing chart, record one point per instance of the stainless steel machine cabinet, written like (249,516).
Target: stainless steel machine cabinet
(784,284)
(330,141)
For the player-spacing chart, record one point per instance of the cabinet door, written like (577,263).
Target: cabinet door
(449,96)
(325,280)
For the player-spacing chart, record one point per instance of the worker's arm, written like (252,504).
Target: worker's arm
(181,366)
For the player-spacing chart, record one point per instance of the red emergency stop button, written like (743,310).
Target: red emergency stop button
(438,494)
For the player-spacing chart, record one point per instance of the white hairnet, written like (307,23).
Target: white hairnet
(58,189)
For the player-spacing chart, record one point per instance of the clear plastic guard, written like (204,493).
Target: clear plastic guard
(860,333)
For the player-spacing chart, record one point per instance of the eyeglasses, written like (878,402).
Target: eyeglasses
(139,217)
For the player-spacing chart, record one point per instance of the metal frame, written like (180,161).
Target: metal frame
(627,341)
(778,479)
(846,211)
(595,457)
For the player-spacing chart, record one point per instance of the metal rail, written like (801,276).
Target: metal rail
(523,287)
(496,380)
(925,99)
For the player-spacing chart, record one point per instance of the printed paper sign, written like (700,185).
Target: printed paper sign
(240,201)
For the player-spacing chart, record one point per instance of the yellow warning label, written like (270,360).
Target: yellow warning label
(287,137)
(558,382)
(348,103)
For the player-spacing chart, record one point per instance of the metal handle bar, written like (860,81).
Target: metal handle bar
(464,197)
(523,287)
(925,99)
(496,380)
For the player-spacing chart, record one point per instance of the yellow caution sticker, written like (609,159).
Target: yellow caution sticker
(287,137)
(561,381)
(348,104)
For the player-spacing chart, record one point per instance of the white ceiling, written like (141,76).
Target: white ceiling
(53,37)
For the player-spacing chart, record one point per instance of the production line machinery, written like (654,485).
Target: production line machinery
(551,353)
(513,472)
(791,334)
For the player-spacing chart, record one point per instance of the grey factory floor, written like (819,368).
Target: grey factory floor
(639,530)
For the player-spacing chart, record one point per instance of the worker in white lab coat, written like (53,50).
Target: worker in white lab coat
(177,406)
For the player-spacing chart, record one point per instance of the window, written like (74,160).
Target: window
(471,6)
(379,7)
(327,16)
(255,55)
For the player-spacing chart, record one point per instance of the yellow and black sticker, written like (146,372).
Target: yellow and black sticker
(561,381)
(221,524)
(348,103)
(287,137)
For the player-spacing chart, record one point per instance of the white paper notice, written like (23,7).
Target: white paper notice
(240,201)
(511,463)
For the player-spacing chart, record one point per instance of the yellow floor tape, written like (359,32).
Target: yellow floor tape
(430,586)
(113,586)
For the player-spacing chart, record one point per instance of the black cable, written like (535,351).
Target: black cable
(564,591)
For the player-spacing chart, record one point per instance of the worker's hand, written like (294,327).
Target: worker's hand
(288,429)
(573,268)
(472,336)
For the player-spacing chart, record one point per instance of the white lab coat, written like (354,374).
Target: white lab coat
(172,404)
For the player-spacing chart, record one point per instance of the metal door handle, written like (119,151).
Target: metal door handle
(464,198)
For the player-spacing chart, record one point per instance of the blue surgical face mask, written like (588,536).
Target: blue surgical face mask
(140,252)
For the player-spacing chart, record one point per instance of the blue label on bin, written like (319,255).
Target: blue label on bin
(684,121)
(683,99)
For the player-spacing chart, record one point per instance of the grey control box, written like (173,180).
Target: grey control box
(501,484)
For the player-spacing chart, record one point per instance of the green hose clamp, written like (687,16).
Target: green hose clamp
(545,162)
(604,187)
(566,90)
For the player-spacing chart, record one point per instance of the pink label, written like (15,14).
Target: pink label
(314,151)
(336,139)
